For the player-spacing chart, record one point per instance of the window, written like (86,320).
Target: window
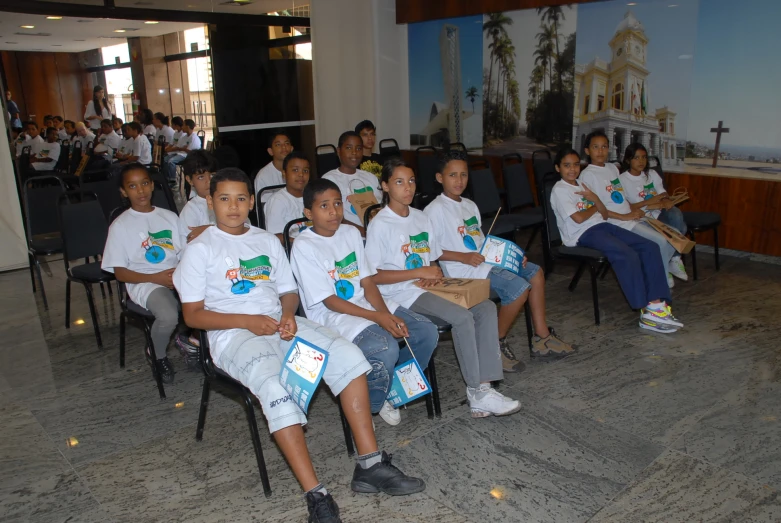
(586,105)
(662,126)
(119,82)
(618,96)
(600,102)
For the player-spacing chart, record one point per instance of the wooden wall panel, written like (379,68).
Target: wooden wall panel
(38,72)
(409,11)
(13,82)
(71,84)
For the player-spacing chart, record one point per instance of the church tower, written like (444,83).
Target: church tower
(627,66)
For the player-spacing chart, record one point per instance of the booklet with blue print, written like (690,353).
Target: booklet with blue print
(409,383)
(502,253)
(302,371)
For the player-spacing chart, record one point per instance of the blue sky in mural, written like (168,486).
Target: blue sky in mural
(671,32)
(425,69)
(737,74)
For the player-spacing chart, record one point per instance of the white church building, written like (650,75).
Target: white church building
(613,97)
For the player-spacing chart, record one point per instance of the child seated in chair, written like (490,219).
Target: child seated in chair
(279,146)
(337,290)
(236,283)
(402,248)
(188,141)
(195,217)
(142,250)
(582,221)
(44,156)
(457,227)
(288,204)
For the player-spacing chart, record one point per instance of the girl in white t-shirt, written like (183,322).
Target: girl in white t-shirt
(644,186)
(400,246)
(142,250)
(581,218)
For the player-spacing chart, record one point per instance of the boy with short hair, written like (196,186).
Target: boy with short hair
(84,135)
(108,141)
(287,204)
(187,142)
(368,134)
(250,332)
(44,156)
(70,130)
(176,125)
(337,290)
(118,124)
(457,226)
(279,147)
(58,124)
(195,217)
(142,150)
(160,121)
(349,178)
(31,136)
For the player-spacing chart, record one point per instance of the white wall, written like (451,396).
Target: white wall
(13,254)
(360,69)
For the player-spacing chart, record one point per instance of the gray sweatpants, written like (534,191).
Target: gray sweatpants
(475,336)
(163,304)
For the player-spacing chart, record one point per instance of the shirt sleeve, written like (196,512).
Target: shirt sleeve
(114,254)
(356,243)
(283,273)
(313,279)
(89,110)
(433,242)
(562,201)
(190,275)
(658,184)
(195,142)
(275,212)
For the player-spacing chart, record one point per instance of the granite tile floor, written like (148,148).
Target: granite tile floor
(636,427)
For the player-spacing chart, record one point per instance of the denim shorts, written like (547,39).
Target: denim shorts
(508,285)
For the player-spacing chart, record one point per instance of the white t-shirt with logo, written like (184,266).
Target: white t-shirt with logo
(86,140)
(145,242)
(348,184)
(32,142)
(142,149)
(283,208)
(234,274)
(643,187)
(266,177)
(194,214)
(175,139)
(457,228)
(334,266)
(45,150)
(397,243)
(565,203)
(126,146)
(150,130)
(191,141)
(167,132)
(108,143)
(605,182)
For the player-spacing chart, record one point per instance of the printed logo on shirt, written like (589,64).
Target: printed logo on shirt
(648,192)
(236,275)
(584,204)
(258,268)
(155,245)
(417,245)
(343,271)
(44,153)
(616,191)
(469,229)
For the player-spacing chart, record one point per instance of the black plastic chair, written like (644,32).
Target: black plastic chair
(326,159)
(107,192)
(259,206)
(84,233)
(457,146)
(426,176)
(162,196)
(519,192)
(62,162)
(25,168)
(41,194)
(542,166)
(133,311)
(591,258)
(75,156)
(389,148)
(202,137)
(486,197)
(286,239)
(695,222)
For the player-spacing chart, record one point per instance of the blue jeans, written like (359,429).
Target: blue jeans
(636,261)
(169,165)
(674,218)
(508,285)
(382,351)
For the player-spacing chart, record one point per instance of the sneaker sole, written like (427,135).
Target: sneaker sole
(552,355)
(478,413)
(657,329)
(366,488)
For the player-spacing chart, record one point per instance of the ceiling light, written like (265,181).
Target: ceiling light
(27,26)
(80,321)
(119,30)
(151,22)
(178,90)
(54,18)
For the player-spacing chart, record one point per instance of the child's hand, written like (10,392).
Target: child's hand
(287,327)
(472,258)
(392,324)
(430,272)
(196,231)
(262,325)
(426,283)
(587,193)
(637,214)
(166,278)
(667,204)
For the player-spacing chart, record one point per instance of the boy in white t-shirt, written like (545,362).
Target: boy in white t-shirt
(176,124)
(603,178)
(108,141)
(349,178)
(84,135)
(187,142)
(337,290)
(581,218)
(288,204)
(279,147)
(195,217)
(236,283)
(160,121)
(457,227)
(31,137)
(45,155)
(142,250)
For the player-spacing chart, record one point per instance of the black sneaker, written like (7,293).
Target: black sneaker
(166,370)
(509,362)
(384,477)
(322,508)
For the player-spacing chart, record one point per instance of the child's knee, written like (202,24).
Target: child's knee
(278,406)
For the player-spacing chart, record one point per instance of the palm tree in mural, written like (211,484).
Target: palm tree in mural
(471,94)
(544,54)
(554,15)
(494,28)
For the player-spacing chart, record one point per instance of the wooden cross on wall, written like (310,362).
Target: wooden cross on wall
(718,130)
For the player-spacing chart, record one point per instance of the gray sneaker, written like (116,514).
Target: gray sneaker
(509,362)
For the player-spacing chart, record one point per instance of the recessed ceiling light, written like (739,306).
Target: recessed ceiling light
(119,30)
(27,26)
(54,18)
(151,22)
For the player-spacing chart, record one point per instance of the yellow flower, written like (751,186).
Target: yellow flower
(372,167)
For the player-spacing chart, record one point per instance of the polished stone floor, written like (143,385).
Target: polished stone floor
(636,427)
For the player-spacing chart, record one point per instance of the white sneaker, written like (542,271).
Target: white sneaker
(670,281)
(660,316)
(677,268)
(390,414)
(490,402)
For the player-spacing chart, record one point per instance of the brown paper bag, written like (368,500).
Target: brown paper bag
(681,243)
(462,291)
(157,154)
(362,201)
(680,195)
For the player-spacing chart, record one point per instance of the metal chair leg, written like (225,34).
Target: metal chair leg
(575,279)
(102,291)
(150,348)
(31,262)
(253,428)
(529,327)
(202,410)
(68,303)
(594,292)
(715,247)
(531,238)
(693,252)
(94,314)
(40,282)
(604,269)
(348,435)
(122,340)
(432,379)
